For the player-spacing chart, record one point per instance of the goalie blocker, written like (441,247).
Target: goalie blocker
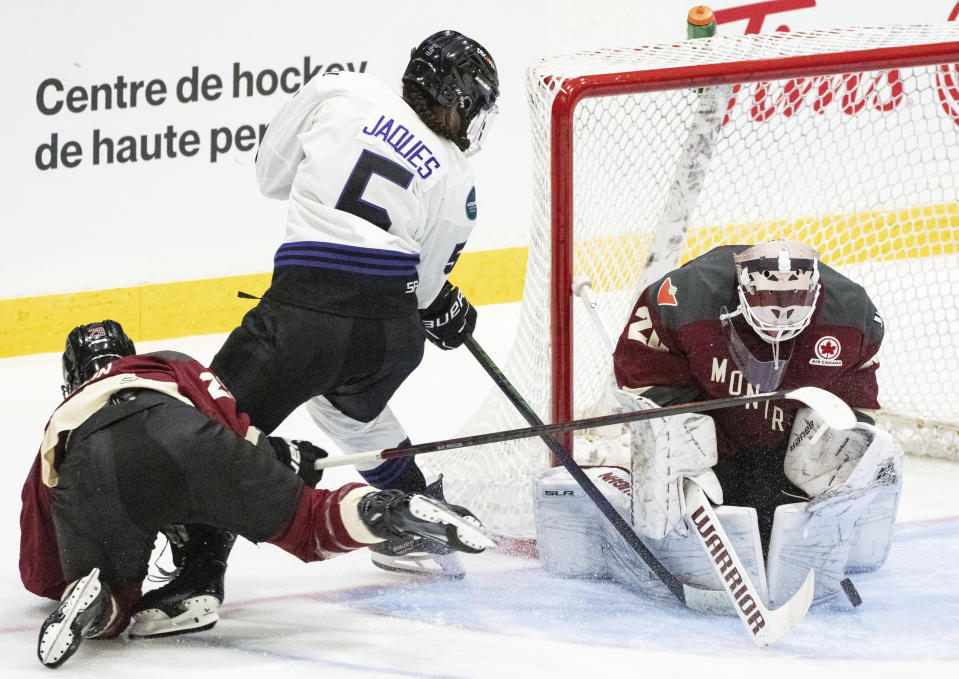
(853,477)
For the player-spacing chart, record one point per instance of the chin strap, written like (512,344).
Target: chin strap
(754,370)
(776,354)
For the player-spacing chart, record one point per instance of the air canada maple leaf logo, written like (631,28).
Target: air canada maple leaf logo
(827,352)
(667,294)
(827,347)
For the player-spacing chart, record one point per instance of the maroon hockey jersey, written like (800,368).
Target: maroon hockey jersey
(674,338)
(172,373)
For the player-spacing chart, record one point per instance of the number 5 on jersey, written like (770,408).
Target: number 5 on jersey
(351,199)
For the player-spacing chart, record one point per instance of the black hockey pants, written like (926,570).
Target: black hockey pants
(282,355)
(138,465)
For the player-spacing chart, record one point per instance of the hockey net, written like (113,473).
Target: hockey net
(846,139)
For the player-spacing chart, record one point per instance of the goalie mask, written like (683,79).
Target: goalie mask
(778,285)
(458,72)
(91,347)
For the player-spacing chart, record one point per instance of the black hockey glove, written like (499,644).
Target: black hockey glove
(299,456)
(449,319)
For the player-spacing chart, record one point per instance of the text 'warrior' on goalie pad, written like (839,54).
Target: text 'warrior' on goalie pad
(663,452)
(854,478)
(575,541)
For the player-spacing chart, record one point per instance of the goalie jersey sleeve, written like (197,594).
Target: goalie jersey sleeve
(674,343)
(379,205)
(172,373)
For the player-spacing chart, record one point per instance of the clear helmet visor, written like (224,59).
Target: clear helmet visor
(764,375)
(478,128)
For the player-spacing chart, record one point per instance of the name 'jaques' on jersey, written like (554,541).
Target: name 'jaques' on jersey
(675,338)
(372,190)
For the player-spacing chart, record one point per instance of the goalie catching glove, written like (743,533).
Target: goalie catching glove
(450,319)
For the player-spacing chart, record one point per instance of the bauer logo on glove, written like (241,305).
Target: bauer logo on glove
(449,319)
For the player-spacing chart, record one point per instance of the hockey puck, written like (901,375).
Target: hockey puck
(851,593)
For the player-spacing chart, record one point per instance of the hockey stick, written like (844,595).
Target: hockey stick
(828,406)
(681,591)
(764,625)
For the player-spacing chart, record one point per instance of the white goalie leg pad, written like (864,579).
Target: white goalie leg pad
(873,534)
(683,556)
(855,479)
(663,452)
(575,541)
(819,538)
(569,537)
(354,436)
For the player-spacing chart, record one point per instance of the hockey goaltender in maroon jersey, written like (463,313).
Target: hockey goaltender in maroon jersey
(677,344)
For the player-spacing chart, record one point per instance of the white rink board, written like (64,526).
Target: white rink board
(182,218)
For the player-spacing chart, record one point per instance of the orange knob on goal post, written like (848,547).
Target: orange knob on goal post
(700,22)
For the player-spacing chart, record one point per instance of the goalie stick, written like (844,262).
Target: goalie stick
(773,623)
(828,406)
(764,625)
(681,591)
(776,622)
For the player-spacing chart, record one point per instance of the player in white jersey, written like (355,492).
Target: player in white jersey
(381,203)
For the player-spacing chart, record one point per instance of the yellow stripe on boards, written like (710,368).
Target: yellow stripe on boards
(33,325)
(869,236)
(614,262)
(491,276)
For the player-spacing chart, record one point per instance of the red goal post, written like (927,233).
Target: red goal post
(645,157)
(576,89)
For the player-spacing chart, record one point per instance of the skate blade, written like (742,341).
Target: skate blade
(421,564)
(469,531)
(58,640)
(200,613)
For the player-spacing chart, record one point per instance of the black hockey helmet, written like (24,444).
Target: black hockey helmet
(89,348)
(457,72)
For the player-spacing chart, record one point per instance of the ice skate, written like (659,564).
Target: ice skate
(191,601)
(422,533)
(85,611)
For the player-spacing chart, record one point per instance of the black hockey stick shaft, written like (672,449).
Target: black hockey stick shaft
(566,459)
(559,427)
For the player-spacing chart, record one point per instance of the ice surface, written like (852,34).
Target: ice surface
(345,618)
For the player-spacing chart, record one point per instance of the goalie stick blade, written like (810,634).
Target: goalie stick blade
(790,613)
(712,601)
(764,625)
(832,409)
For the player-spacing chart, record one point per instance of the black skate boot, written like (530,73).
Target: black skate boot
(423,533)
(191,600)
(85,611)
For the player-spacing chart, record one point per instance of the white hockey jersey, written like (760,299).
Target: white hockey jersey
(380,205)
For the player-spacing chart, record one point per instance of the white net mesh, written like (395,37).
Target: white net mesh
(863,165)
